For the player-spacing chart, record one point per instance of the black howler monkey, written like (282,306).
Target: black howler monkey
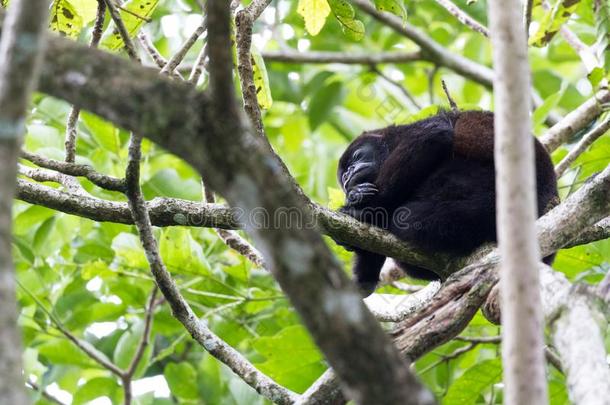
(430,183)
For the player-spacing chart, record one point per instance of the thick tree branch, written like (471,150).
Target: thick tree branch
(572,320)
(451,309)
(180,307)
(21,50)
(430,49)
(295,254)
(522,321)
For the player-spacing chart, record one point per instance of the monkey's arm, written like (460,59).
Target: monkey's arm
(410,163)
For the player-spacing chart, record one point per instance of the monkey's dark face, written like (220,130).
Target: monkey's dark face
(361,162)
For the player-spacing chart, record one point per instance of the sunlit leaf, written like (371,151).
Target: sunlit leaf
(345,14)
(292,358)
(552,21)
(396,7)
(261,80)
(134,14)
(314,12)
(65,18)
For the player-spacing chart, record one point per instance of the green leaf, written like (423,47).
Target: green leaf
(61,351)
(292,359)
(95,388)
(552,21)
(31,218)
(476,380)
(168,183)
(65,19)
(134,14)
(129,251)
(344,12)
(314,12)
(323,102)
(181,379)
(43,232)
(596,76)
(87,9)
(261,80)
(178,248)
(336,198)
(396,7)
(545,108)
(106,134)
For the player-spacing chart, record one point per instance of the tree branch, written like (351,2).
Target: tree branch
(71,125)
(430,49)
(575,121)
(463,17)
(348,58)
(582,145)
(21,50)
(522,321)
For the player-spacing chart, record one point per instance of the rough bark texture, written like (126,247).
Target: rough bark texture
(341,325)
(20,55)
(522,331)
(577,338)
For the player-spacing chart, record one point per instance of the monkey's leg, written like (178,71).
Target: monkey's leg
(446,226)
(367,267)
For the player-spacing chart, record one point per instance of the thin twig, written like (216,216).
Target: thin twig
(144,342)
(396,84)
(463,17)
(73,169)
(175,60)
(553,359)
(150,49)
(180,307)
(84,346)
(199,65)
(122,30)
(71,126)
(452,103)
(584,143)
(31,384)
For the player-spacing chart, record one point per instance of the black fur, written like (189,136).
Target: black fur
(430,183)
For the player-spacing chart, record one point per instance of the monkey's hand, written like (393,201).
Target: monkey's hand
(361,194)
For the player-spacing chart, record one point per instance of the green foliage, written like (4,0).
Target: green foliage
(345,14)
(261,80)
(280,352)
(94,277)
(552,21)
(314,12)
(134,14)
(393,6)
(468,388)
(64,18)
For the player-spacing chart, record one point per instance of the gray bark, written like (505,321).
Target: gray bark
(21,49)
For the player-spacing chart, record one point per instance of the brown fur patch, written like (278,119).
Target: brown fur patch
(474,135)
